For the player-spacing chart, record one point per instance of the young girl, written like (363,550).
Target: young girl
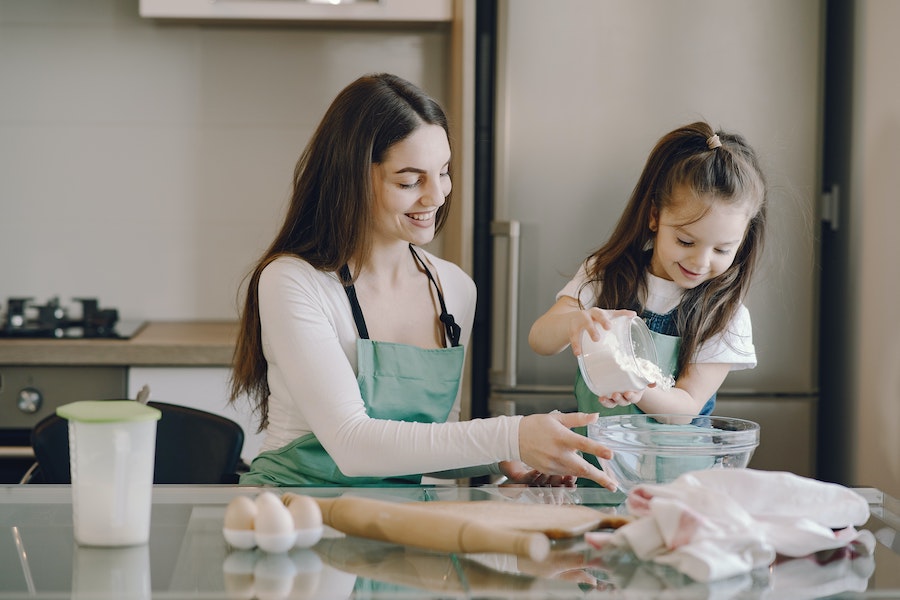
(682,257)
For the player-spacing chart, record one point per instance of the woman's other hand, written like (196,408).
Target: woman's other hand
(548,444)
(517,472)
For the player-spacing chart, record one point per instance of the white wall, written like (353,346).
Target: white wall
(876,249)
(149,164)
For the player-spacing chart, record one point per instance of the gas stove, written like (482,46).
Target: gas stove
(24,319)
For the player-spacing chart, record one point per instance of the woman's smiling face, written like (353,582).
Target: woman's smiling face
(410,185)
(689,248)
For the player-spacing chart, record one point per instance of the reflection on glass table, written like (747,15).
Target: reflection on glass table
(188,556)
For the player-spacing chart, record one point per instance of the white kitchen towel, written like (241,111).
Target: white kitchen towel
(718,523)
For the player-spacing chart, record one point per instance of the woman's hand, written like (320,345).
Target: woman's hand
(517,472)
(548,445)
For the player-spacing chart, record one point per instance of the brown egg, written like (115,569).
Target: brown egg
(307,519)
(274,526)
(240,519)
(240,514)
(305,512)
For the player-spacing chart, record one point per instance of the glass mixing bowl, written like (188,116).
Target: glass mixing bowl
(657,448)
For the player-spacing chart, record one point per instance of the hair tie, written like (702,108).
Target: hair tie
(713,141)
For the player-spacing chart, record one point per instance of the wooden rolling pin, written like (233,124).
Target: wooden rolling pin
(416,526)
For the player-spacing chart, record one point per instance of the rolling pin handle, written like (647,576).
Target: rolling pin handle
(476,537)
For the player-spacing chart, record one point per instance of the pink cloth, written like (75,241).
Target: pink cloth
(719,523)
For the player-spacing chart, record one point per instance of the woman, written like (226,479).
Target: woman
(352,337)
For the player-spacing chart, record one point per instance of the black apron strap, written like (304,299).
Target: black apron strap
(354,303)
(453,330)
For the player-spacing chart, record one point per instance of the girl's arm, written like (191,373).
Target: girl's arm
(561,326)
(687,396)
(699,380)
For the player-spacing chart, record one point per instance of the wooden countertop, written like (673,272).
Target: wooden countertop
(164,343)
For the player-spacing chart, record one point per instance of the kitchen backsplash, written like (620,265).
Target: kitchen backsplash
(150,163)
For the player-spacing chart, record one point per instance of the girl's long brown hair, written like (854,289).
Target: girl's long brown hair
(730,174)
(328,221)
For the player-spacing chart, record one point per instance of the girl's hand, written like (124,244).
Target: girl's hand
(588,320)
(547,443)
(517,472)
(621,399)
(563,324)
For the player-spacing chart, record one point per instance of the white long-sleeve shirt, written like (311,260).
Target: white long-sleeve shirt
(309,341)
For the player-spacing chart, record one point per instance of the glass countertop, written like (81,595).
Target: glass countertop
(187,556)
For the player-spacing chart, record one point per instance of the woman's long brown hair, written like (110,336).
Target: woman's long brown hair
(730,174)
(328,221)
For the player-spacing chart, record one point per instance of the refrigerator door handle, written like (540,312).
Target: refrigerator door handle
(505,294)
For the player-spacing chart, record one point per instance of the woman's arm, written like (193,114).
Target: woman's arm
(309,341)
(310,344)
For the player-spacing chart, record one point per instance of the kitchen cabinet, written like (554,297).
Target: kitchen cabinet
(359,11)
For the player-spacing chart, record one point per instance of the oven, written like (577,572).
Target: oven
(29,393)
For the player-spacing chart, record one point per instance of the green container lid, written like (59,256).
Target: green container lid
(108,411)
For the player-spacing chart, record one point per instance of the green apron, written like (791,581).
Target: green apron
(397,382)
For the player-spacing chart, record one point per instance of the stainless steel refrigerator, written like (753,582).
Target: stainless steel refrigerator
(582,90)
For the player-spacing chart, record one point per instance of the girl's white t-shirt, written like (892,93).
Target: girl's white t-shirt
(733,346)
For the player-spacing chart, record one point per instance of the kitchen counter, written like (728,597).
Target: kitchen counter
(158,343)
(187,557)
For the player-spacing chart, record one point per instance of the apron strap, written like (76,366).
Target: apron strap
(354,303)
(666,324)
(453,330)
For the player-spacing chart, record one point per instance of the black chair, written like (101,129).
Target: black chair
(192,446)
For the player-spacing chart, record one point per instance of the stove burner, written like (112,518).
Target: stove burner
(27,320)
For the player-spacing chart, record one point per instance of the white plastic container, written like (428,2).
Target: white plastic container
(112,447)
(624,359)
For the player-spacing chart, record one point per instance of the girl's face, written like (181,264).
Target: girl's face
(688,250)
(410,185)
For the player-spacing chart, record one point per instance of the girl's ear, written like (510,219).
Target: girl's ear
(654,219)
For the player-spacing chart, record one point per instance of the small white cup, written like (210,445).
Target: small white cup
(112,446)
(619,361)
